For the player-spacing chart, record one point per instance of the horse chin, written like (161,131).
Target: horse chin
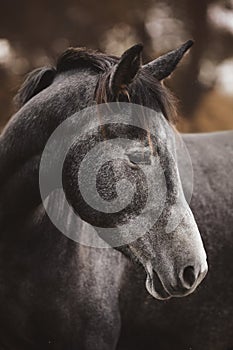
(155,287)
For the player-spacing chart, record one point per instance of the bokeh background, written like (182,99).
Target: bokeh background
(34,32)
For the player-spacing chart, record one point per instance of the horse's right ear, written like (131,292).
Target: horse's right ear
(164,65)
(35,82)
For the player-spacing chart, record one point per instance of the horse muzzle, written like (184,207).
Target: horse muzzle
(185,282)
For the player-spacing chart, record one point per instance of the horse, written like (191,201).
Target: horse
(57,294)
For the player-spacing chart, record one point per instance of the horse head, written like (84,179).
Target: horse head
(170,248)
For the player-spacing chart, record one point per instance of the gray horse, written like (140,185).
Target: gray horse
(57,294)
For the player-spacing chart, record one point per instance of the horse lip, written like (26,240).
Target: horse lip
(155,286)
(178,291)
(181,292)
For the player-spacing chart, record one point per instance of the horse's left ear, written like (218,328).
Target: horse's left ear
(35,82)
(163,66)
(124,72)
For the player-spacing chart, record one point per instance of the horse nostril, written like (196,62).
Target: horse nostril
(189,276)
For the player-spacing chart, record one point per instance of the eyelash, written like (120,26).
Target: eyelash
(133,165)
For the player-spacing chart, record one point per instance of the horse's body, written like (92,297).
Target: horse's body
(57,294)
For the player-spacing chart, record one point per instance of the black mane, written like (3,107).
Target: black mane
(74,58)
(144,90)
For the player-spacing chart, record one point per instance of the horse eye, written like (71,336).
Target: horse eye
(133,165)
(139,157)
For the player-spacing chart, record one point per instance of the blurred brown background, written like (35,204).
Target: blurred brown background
(34,32)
